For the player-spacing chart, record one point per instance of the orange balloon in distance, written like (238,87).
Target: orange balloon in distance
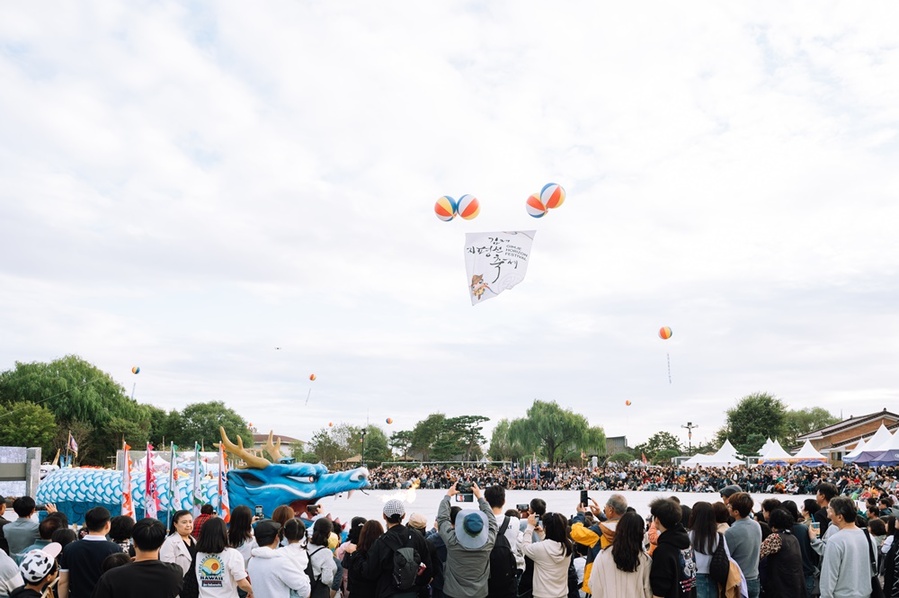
(628,403)
(330,424)
(312,377)
(665,333)
(389,420)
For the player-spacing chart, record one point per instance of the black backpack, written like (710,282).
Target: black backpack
(319,590)
(406,562)
(719,565)
(502,582)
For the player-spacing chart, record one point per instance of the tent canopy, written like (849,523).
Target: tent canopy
(776,454)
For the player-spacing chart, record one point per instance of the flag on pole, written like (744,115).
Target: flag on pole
(197,492)
(151,492)
(224,501)
(72,445)
(174,491)
(127,504)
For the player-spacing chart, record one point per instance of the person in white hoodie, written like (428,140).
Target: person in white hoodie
(551,556)
(294,533)
(273,572)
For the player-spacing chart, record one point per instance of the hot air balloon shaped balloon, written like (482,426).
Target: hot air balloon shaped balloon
(552,196)
(468,207)
(446,208)
(535,207)
(389,420)
(135,370)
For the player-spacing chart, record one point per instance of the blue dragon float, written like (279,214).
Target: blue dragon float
(76,490)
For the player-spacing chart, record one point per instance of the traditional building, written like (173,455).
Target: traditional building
(836,440)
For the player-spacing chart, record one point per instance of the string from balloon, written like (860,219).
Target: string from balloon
(669,367)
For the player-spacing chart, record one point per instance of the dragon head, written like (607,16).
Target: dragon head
(274,484)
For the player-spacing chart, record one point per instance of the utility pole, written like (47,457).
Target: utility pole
(689,427)
(362,463)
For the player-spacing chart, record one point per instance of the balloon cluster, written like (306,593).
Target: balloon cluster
(448,208)
(550,197)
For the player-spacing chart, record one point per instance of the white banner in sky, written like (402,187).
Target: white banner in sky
(496,262)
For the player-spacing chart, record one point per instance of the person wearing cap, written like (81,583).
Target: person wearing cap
(38,570)
(379,565)
(273,572)
(468,546)
(418,523)
(147,576)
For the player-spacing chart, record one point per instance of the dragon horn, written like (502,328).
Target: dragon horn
(239,451)
(273,449)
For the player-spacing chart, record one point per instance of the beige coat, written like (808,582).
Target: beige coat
(173,550)
(608,581)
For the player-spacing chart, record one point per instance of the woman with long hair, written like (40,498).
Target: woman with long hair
(240,532)
(551,555)
(356,557)
(220,569)
(704,537)
(180,546)
(622,569)
(322,559)
(352,537)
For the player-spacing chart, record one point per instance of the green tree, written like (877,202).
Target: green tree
(660,441)
(29,425)
(469,431)
(401,441)
(327,448)
(503,448)
(199,422)
(376,449)
(754,418)
(621,458)
(664,456)
(803,421)
(551,429)
(80,396)
(426,433)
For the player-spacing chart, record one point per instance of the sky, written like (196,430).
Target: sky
(234,196)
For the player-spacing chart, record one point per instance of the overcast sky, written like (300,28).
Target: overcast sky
(187,186)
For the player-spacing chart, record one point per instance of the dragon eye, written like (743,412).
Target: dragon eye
(303,479)
(249,480)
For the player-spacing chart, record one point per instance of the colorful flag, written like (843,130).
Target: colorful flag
(174,491)
(72,445)
(197,492)
(495,262)
(151,492)
(127,504)
(224,501)
(643,458)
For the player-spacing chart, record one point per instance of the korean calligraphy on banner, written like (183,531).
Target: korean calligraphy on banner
(496,262)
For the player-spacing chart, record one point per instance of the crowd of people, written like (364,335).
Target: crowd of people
(832,546)
(766,479)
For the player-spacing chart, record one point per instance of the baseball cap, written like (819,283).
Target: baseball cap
(730,490)
(394,507)
(417,520)
(266,531)
(37,564)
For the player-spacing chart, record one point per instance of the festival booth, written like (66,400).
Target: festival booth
(726,456)
(874,448)
(885,452)
(852,455)
(809,456)
(775,455)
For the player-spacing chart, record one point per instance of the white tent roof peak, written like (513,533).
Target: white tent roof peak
(776,453)
(809,452)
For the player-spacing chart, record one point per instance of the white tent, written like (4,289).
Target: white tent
(889,453)
(766,447)
(809,455)
(854,453)
(876,446)
(776,455)
(696,460)
(726,455)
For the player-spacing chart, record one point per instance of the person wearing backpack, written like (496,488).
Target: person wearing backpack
(321,560)
(673,570)
(705,538)
(398,562)
(468,546)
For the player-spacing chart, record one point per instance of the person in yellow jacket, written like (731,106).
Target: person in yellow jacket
(599,536)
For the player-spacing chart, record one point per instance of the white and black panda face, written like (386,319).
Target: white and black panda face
(35,566)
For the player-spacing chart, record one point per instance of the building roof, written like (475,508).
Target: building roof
(847,424)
